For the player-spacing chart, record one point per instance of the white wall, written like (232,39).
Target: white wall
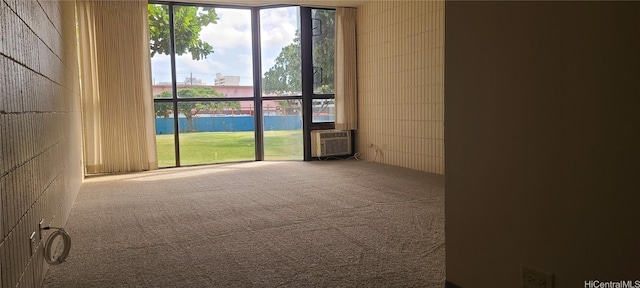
(542,120)
(40,146)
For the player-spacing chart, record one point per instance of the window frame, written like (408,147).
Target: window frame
(308,94)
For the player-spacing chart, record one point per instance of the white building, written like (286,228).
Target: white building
(227,80)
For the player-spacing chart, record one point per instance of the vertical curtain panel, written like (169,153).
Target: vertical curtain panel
(118,119)
(346,70)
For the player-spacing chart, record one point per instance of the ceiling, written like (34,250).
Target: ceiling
(313,3)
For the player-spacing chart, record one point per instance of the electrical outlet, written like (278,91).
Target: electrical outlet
(532,278)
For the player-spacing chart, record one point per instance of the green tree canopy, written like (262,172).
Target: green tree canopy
(285,76)
(188,23)
(324,50)
(191,109)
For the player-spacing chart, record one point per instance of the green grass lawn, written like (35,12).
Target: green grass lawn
(217,147)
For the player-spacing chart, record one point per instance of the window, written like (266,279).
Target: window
(228,83)
(323,50)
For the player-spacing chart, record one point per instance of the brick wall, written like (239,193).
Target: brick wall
(401,84)
(40,144)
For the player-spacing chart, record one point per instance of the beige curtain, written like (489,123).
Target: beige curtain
(346,74)
(119,127)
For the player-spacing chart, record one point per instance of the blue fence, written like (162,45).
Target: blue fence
(230,124)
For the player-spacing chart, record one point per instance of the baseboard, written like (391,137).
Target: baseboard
(448,284)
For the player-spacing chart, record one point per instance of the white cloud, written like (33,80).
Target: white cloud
(232,30)
(246,61)
(161,68)
(278,26)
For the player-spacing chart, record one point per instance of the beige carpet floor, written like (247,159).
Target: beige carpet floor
(262,224)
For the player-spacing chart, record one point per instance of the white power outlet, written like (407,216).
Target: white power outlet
(532,278)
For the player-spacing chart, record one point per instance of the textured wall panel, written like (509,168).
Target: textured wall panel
(401,84)
(40,156)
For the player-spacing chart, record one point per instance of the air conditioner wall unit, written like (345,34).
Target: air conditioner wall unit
(330,143)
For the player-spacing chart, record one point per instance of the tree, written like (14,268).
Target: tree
(191,109)
(220,106)
(285,75)
(324,50)
(188,23)
(290,107)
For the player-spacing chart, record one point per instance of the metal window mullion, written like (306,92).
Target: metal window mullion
(278,98)
(257,84)
(174,87)
(306,54)
(216,99)
(324,96)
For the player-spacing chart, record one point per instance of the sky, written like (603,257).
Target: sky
(231,41)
